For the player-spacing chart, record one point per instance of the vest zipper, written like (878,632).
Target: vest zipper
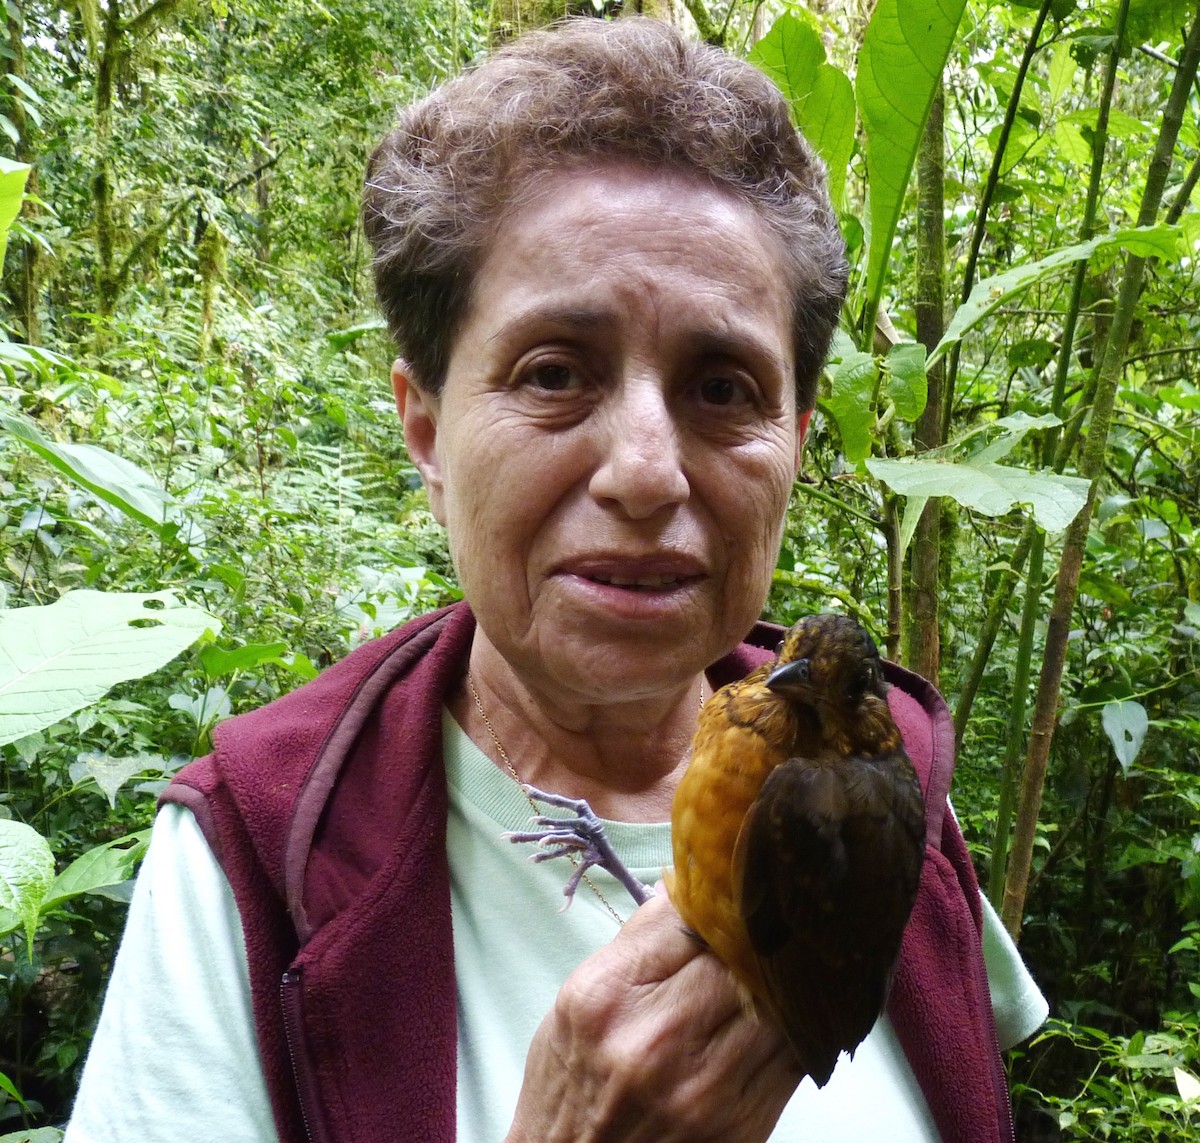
(1008,1128)
(302,1074)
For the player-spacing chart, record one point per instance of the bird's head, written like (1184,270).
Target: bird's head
(829,663)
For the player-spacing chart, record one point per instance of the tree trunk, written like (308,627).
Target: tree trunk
(119,40)
(922,637)
(106,286)
(21,283)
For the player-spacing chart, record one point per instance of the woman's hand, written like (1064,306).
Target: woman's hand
(648,1040)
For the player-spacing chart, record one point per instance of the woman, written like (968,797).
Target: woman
(612,273)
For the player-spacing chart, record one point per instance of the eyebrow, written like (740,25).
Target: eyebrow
(720,343)
(566,317)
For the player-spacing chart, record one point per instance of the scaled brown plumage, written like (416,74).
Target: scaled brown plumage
(798,833)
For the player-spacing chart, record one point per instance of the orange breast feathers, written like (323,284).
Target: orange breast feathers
(798,834)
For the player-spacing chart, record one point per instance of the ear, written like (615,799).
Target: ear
(419,415)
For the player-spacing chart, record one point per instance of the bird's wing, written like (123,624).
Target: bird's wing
(823,869)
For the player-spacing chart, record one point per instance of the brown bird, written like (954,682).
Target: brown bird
(798,833)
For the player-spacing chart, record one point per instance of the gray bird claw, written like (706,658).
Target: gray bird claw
(581,837)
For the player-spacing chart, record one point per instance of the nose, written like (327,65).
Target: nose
(641,469)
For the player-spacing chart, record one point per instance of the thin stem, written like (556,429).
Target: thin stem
(985,200)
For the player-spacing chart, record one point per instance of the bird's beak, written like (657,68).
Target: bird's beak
(790,678)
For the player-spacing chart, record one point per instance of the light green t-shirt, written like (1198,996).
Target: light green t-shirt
(175,1057)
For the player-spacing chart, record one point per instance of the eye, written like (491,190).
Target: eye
(779,647)
(550,376)
(863,681)
(721,390)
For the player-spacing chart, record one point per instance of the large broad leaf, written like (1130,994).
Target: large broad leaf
(822,99)
(1186,1084)
(907,384)
(26,872)
(110,772)
(12,194)
(992,489)
(58,658)
(1158,19)
(850,398)
(107,864)
(1013,430)
(1125,723)
(34,1135)
(899,69)
(989,295)
(112,478)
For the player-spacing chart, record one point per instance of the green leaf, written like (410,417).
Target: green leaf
(913,507)
(1125,723)
(218,662)
(24,88)
(821,95)
(26,872)
(61,657)
(34,1135)
(12,194)
(991,489)
(1158,19)
(107,864)
(1015,427)
(1151,241)
(10,1089)
(907,384)
(991,293)
(112,478)
(850,403)
(341,338)
(1187,1085)
(1062,70)
(1072,144)
(110,773)
(900,65)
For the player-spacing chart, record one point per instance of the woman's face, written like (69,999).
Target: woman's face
(614,447)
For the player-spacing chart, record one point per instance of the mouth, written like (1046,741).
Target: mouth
(641,582)
(661,573)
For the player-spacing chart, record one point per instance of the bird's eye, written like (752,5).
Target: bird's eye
(779,646)
(862,682)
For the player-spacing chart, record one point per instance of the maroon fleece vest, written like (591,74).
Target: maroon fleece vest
(327,810)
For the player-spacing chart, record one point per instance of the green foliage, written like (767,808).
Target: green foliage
(899,67)
(1142,1086)
(12,192)
(822,99)
(205,494)
(64,656)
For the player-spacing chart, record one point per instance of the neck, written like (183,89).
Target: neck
(624,757)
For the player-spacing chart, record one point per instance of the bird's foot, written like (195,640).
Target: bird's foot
(582,837)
